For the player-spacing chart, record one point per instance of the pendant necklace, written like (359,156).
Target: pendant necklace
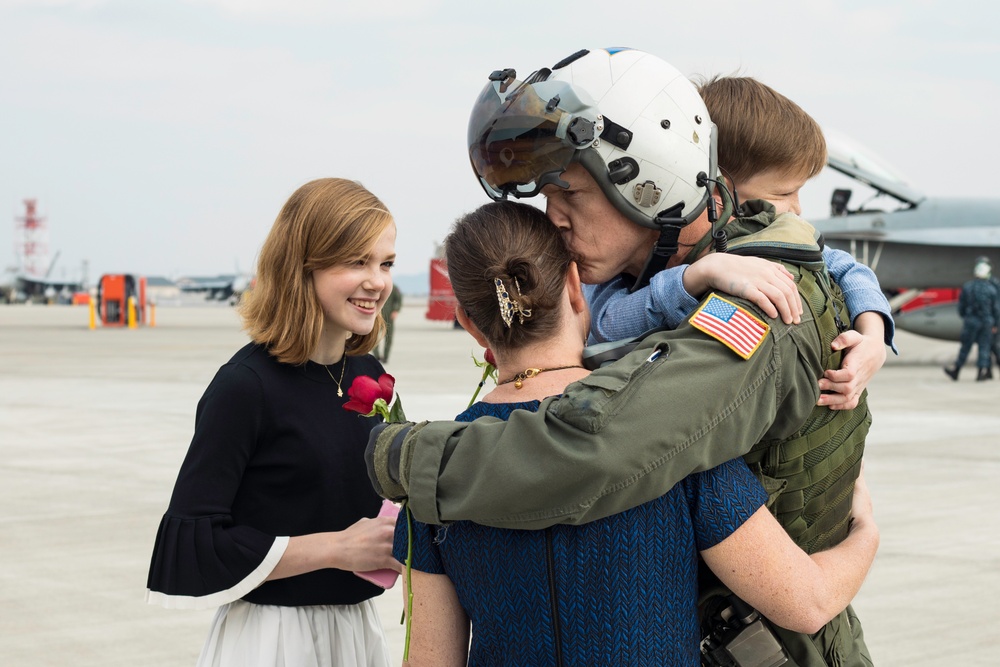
(340,392)
(529,373)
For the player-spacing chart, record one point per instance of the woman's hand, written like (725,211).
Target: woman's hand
(366,545)
(363,546)
(766,284)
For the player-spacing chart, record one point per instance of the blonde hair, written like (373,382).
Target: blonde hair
(325,222)
(761,129)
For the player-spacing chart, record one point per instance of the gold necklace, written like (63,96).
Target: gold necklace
(529,373)
(340,392)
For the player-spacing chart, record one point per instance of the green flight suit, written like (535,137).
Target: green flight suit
(393,304)
(628,432)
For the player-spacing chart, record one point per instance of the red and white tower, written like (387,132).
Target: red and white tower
(32,241)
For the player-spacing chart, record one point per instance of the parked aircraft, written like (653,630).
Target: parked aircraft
(217,288)
(24,287)
(921,248)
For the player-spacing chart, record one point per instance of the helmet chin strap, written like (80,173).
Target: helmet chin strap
(670,229)
(665,247)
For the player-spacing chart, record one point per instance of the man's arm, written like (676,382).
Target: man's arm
(618,438)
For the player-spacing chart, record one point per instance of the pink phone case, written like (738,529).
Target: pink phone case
(383,578)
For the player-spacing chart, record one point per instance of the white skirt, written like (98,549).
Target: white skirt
(253,635)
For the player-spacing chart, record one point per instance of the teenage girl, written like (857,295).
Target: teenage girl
(269,514)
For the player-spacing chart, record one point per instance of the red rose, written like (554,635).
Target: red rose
(364,391)
(490,359)
(387,384)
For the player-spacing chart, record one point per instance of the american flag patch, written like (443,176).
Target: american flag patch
(735,327)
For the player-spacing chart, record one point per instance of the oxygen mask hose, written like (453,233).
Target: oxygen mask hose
(716,235)
(728,207)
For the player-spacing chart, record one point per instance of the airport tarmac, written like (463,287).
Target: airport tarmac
(94,424)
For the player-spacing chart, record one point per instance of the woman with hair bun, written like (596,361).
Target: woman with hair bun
(621,590)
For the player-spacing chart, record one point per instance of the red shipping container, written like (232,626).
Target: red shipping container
(441,302)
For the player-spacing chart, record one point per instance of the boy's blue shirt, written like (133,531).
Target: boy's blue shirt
(617,314)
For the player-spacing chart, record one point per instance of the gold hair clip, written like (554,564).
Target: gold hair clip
(509,306)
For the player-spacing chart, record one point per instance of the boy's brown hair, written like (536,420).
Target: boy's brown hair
(761,129)
(325,222)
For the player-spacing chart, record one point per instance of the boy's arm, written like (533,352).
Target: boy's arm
(861,290)
(865,344)
(864,356)
(667,300)
(765,283)
(617,314)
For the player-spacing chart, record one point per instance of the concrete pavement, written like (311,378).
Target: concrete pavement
(94,424)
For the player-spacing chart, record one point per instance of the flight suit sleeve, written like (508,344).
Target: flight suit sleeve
(620,437)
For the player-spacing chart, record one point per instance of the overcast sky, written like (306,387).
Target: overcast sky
(161,137)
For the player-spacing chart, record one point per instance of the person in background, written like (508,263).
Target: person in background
(621,590)
(979,307)
(995,281)
(390,310)
(269,514)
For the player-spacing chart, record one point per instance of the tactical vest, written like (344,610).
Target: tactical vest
(810,476)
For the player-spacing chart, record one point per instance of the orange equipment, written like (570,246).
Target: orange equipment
(113,294)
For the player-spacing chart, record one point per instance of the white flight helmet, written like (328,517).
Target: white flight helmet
(982,269)
(636,124)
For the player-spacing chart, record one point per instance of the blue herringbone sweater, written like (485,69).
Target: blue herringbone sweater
(618,591)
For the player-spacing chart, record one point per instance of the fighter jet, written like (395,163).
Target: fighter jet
(22,286)
(921,248)
(228,287)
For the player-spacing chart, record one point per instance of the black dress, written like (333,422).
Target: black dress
(274,455)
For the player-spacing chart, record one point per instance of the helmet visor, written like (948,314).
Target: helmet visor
(517,140)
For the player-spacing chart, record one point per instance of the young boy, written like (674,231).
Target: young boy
(768,148)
